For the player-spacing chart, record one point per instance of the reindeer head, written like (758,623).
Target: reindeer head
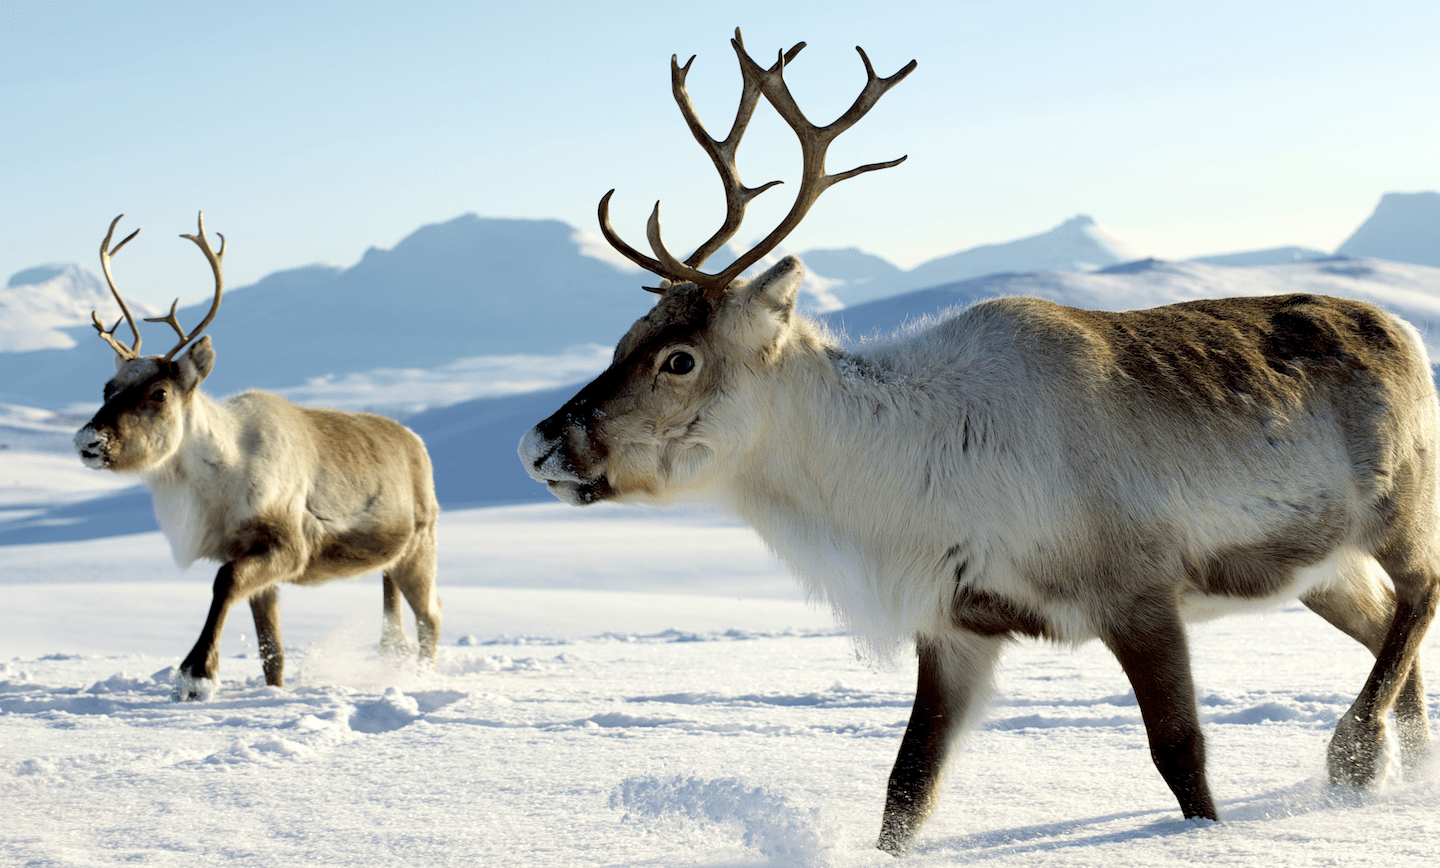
(678,398)
(142,423)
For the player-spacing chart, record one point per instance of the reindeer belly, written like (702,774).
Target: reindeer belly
(1233,587)
(343,553)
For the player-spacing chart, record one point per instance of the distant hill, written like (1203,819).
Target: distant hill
(1078,244)
(1405,227)
(40,307)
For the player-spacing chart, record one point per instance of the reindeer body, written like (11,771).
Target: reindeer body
(258,466)
(1021,444)
(1028,469)
(274,492)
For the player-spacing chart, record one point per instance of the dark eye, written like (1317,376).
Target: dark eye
(679,363)
(158,396)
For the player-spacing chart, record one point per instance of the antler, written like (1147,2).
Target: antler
(215,260)
(130,352)
(814,142)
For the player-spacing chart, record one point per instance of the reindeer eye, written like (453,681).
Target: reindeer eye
(679,363)
(158,395)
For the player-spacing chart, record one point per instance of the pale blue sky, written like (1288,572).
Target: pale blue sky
(309,132)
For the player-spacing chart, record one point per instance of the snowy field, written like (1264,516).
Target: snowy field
(619,687)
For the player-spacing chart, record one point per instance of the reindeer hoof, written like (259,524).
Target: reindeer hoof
(896,842)
(189,688)
(1362,760)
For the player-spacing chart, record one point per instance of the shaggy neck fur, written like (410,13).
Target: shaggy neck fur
(186,486)
(850,431)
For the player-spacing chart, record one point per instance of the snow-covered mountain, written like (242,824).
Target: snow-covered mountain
(468,287)
(1078,244)
(1405,227)
(45,307)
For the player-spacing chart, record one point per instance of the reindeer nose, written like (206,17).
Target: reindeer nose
(91,445)
(535,449)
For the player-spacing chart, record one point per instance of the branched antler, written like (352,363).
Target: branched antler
(130,352)
(814,142)
(215,260)
(133,352)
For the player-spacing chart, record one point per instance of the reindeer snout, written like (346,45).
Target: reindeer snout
(544,459)
(91,444)
(549,459)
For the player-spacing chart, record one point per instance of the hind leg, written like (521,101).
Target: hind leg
(265,608)
(1356,750)
(392,626)
(1362,606)
(414,576)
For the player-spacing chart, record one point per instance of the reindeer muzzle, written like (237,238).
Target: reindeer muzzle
(549,460)
(93,445)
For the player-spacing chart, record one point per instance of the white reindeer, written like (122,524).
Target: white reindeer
(1028,469)
(274,492)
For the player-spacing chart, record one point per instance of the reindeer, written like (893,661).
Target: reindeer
(1024,469)
(274,492)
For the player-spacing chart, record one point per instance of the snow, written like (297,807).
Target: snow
(624,687)
(604,746)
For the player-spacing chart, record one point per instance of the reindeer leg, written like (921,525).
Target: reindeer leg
(955,675)
(1356,752)
(414,575)
(392,627)
(1411,718)
(1362,606)
(265,607)
(196,678)
(1150,644)
(262,553)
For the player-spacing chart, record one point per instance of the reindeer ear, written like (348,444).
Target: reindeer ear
(195,365)
(777,287)
(769,302)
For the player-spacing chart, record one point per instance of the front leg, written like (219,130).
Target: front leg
(261,554)
(955,675)
(1149,641)
(196,678)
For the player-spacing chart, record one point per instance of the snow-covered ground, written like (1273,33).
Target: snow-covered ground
(620,687)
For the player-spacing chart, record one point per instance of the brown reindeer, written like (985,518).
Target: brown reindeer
(274,492)
(1027,469)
